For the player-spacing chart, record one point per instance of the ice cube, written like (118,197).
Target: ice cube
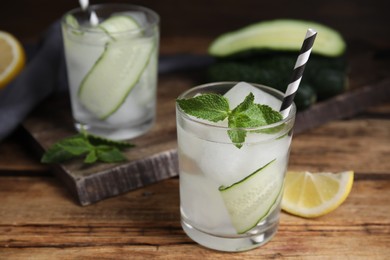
(227,164)
(238,93)
(148,81)
(188,143)
(131,111)
(80,58)
(192,133)
(202,204)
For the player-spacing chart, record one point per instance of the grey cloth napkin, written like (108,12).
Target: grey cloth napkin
(44,74)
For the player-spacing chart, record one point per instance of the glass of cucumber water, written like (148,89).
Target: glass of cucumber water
(111,53)
(233,149)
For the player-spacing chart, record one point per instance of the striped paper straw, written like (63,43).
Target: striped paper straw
(298,72)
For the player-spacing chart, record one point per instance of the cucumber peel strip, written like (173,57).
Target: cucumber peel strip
(224,188)
(96,100)
(238,193)
(71,21)
(119,24)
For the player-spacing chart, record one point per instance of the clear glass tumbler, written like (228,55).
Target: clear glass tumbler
(229,196)
(111,53)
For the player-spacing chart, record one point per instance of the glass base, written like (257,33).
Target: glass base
(256,238)
(117,133)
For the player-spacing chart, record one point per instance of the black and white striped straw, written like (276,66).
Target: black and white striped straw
(298,72)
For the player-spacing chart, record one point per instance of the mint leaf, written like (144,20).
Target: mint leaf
(212,107)
(97,140)
(245,105)
(66,149)
(93,148)
(247,114)
(270,116)
(237,136)
(56,155)
(109,154)
(91,157)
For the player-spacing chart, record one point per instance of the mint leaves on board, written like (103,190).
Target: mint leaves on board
(92,148)
(215,107)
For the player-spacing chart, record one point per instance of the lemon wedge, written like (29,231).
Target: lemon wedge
(12,58)
(312,195)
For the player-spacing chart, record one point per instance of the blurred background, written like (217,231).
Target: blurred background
(361,22)
(190,26)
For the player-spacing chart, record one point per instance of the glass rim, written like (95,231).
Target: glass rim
(126,7)
(203,122)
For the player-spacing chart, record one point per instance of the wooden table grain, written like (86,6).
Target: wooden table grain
(39,219)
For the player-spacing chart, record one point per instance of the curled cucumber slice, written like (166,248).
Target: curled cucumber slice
(252,199)
(119,24)
(118,69)
(72,21)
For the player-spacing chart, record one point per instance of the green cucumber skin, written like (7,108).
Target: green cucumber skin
(103,27)
(82,83)
(114,24)
(274,69)
(274,204)
(223,188)
(100,59)
(255,37)
(132,85)
(72,21)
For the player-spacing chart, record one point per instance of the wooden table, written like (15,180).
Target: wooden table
(40,220)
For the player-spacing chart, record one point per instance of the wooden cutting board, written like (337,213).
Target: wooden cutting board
(154,158)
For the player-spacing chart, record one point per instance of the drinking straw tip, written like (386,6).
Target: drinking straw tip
(84,4)
(93,19)
(311,32)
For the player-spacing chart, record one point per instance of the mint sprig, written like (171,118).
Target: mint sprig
(215,107)
(212,107)
(92,148)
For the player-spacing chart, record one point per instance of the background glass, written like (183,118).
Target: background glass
(112,75)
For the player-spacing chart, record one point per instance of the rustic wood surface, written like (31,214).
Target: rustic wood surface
(39,219)
(153,158)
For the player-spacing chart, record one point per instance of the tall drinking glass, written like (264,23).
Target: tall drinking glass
(111,55)
(230,196)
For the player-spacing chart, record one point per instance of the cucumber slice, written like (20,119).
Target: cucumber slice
(116,72)
(251,199)
(113,76)
(72,21)
(279,35)
(74,24)
(117,24)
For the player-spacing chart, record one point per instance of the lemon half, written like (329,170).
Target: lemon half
(12,58)
(312,195)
